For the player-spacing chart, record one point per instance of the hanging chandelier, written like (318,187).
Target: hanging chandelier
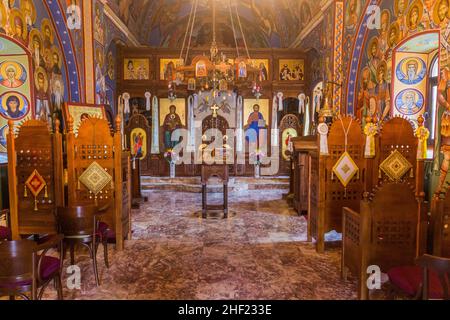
(216,72)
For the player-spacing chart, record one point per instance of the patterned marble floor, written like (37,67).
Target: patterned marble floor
(260,253)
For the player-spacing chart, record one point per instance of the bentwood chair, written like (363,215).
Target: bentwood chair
(25,268)
(80,227)
(5,231)
(429,279)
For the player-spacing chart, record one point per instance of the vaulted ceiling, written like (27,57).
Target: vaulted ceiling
(266,23)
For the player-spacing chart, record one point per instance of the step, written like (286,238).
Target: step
(193,184)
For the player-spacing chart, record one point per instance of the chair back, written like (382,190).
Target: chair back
(77,221)
(441,266)
(16,261)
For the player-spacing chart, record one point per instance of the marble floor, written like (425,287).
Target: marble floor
(260,253)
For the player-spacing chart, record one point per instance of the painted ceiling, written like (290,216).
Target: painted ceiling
(266,23)
(425,43)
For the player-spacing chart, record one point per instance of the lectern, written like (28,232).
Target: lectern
(220,171)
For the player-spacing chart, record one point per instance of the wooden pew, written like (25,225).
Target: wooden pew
(384,232)
(35,171)
(97,145)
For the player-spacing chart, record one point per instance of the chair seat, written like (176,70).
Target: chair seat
(5,233)
(409,279)
(105,232)
(49,267)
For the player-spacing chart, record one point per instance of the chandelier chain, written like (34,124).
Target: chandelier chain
(187,28)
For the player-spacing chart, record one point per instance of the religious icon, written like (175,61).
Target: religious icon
(47,33)
(172,121)
(200,69)
(411,71)
(29,12)
(409,102)
(374,60)
(138,143)
(42,98)
(263,72)
(168,69)
(98,25)
(192,84)
(442,19)
(383,42)
(136,69)
(57,95)
(400,11)
(12,74)
(36,48)
(242,69)
(17,26)
(3,132)
(3,17)
(79,113)
(352,15)
(111,66)
(55,62)
(14,106)
(256,113)
(292,69)
(414,18)
(286,139)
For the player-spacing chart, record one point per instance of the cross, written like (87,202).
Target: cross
(215,108)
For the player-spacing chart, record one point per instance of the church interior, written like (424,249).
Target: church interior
(224,150)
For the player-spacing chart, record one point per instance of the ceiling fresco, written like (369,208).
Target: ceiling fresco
(266,23)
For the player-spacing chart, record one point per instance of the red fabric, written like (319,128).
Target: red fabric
(5,233)
(409,279)
(49,267)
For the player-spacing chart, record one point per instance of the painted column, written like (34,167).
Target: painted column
(89,52)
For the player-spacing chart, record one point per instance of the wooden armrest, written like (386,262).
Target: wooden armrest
(50,242)
(350,212)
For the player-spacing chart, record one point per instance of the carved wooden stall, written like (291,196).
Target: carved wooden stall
(384,232)
(338,177)
(301,171)
(35,171)
(440,225)
(390,229)
(95,166)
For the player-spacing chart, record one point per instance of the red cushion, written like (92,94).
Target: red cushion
(102,227)
(49,267)
(408,279)
(5,233)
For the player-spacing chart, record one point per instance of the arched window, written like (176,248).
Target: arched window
(433,78)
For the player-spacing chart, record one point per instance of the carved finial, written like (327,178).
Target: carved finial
(321,119)
(421,121)
(11,125)
(118,123)
(369,119)
(70,124)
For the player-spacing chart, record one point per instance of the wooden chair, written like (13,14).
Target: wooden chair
(95,145)
(26,268)
(429,279)
(327,195)
(440,225)
(385,232)
(5,231)
(35,180)
(79,225)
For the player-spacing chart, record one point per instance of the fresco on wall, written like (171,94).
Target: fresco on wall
(401,20)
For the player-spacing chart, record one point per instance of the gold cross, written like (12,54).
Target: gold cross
(215,108)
